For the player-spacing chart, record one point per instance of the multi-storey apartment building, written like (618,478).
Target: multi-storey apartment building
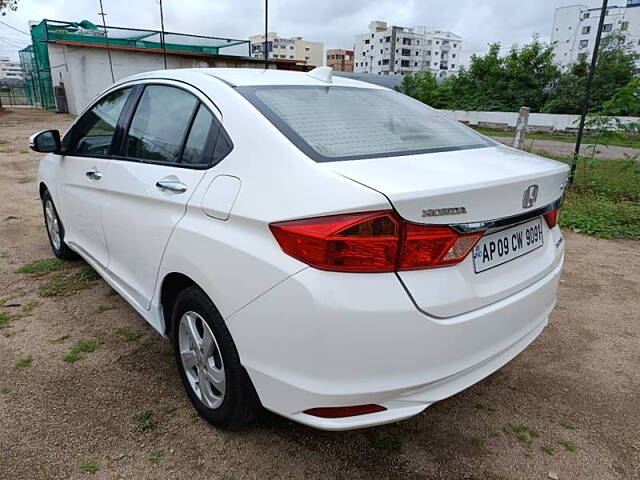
(10,71)
(340,60)
(574,30)
(295,48)
(393,50)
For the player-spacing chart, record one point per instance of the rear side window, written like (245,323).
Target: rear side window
(93,133)
(159,124)
(345,123)
(194,148)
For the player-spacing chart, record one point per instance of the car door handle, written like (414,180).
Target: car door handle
(168,186)
(93,175)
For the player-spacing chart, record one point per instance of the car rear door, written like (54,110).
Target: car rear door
(88,147)
(163,156)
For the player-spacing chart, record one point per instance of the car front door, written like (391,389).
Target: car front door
(81,172)
(163,157)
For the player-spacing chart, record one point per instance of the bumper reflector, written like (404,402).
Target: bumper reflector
(341,412)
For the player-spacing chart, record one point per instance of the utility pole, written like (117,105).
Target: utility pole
(162,43)
(587,96)
(106,38)
(266,34)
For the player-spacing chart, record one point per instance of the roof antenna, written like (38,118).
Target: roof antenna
(324,74)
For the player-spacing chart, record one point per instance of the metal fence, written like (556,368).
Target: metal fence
(16,96)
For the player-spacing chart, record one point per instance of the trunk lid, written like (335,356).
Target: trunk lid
(488,182)
(459,187)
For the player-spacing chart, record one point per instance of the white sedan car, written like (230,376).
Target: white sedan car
(332,250)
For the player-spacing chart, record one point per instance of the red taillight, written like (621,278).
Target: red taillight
(552,217)
(371,242)
(341,412)
(431,246)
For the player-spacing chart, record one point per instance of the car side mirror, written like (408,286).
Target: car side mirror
(46,141)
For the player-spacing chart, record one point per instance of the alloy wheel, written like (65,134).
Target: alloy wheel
(201,359)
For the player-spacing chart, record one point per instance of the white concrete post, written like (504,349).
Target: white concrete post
(521,127)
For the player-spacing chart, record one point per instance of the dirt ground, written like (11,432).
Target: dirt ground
(579,382)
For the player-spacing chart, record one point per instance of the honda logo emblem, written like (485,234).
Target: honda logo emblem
(530,196)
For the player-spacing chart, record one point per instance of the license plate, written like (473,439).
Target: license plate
(501,247)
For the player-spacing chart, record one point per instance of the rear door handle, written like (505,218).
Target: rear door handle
(168,186)
(93,175)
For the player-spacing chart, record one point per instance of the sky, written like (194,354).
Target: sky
(333,22)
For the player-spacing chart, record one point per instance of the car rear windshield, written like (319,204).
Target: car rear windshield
(347,123)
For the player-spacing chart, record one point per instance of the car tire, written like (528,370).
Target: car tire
(228,399)
(55,229)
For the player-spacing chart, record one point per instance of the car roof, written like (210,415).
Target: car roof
(239,77)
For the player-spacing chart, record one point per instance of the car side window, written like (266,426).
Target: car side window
(94,131)
(159,124)
(194,148)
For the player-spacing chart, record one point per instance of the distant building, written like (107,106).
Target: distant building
(574,30)
(340,60)
(394,50)
(281,48)
(10,71)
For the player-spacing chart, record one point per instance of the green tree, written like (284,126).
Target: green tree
(625,101)
(615,68)
(8,5)
(492,82)
(422,86)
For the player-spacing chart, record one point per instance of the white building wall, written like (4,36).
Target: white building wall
(575,27)
(399,50)
(554,122)
(85,72)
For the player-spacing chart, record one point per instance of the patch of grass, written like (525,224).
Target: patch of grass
(618,140)
(2,302)
(128,334)
(568,424)
(89,466)
(604,200)
(145,420)
(72,357)
(24,361)
(147,343)
(64,285)
(42,266)
(522,433)
(601,217)
(4,390)
(61,338)
(547,449)
(568,445)
(4,255)
(154,456)
(482,406)
(79,349)
(24,151)
(5,320)
(105,308)
(29,306)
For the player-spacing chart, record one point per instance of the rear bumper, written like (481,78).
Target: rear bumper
(321,339)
